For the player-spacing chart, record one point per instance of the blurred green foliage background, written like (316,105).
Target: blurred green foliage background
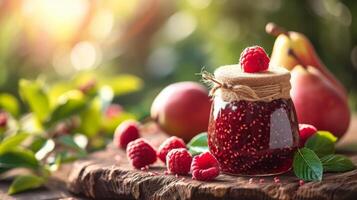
(161,41)
(72,70)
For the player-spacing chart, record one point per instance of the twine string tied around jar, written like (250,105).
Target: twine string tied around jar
(244,92)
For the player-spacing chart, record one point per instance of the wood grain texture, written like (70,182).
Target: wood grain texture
(108,175)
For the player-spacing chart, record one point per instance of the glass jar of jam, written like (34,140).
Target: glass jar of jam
(253,129)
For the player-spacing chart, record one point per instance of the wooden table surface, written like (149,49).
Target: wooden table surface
(56,189)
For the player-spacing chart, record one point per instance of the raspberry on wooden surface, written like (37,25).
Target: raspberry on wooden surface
(140,153)
(178,161)
(205,167)
(126,132)
(169,144)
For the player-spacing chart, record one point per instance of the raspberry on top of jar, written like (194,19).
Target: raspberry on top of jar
(253,128)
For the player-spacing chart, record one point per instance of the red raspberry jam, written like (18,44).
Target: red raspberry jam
(253,137)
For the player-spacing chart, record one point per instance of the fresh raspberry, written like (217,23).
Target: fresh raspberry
(306,131)
(3,119)
(169,144)
(205,167)
(178,161)
(126,132)
(254,59)
(140,153)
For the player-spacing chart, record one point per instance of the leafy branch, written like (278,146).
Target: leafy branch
(62,122)
(318,156)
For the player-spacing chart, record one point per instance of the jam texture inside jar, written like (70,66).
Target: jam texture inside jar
(253,134)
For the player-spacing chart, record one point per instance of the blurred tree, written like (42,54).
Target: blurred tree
(163,41)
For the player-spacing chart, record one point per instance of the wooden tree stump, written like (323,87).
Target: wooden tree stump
(108,175)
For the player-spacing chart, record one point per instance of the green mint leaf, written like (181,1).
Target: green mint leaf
(70,103)
(18,158)
(25,182)
(198,150)
(9,103)
(198,144)
(91,118)
(12,142)
(199,140)
(37,143)
(322,143)
(124,84)
(35,96)
(70,142)
(307,165)
(337,163)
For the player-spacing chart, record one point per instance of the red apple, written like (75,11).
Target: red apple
(182,109)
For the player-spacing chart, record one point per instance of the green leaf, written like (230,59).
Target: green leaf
(57,89)
(25,182)
(12,142)
(37,143)
(31,124)
(35,96)
(124,84)
(337,163)
(198,144)
(70,103)
(18,158)
(199,140)
(322,143)
(9,103)
(307,165)
(91,119)
(69,141)
(198,150)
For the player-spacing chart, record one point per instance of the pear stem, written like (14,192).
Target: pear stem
(275,30)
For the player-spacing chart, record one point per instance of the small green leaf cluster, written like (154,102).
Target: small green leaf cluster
(318,156)
(52,124)
(198,144)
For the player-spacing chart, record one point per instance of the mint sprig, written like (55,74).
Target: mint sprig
(198,144)
(318,156)
(322,143)
(307,165)
(337,163)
